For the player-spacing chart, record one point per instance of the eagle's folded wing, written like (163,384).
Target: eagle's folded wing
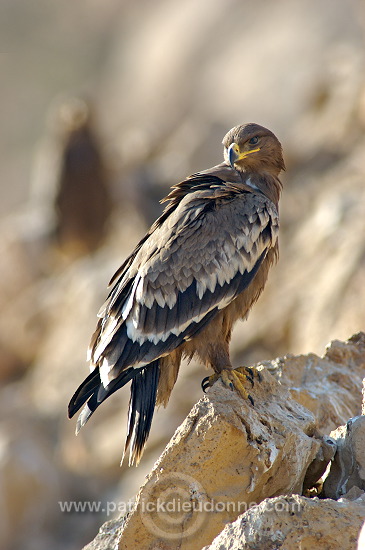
(203,255)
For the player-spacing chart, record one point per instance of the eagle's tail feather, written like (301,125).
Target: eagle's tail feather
(91,393)
(83,392)
(141,408)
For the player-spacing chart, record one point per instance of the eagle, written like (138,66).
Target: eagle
(200,268)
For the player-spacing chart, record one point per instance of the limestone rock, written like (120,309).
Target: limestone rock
(108,537)
(226,455)
(348,467)
(329,386)
(295,522)
(229,456)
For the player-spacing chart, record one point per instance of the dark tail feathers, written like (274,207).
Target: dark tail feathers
(141,408)
(92,393)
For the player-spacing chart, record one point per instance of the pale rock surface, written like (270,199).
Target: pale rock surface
(340,372)
(226,456)
(295,522)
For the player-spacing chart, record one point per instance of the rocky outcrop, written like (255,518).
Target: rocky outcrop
(292,522)
(329,386)
(226,455)
(229,457)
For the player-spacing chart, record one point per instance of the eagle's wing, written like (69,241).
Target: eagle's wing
(194,263)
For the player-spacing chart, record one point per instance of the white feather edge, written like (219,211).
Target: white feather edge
(137,294)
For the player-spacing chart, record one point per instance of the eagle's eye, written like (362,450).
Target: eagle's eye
(253,140)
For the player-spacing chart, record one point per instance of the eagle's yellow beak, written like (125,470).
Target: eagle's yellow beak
(234,153)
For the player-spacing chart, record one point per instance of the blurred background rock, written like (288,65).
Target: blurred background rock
(124,99)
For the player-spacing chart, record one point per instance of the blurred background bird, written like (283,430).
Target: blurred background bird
(82,201)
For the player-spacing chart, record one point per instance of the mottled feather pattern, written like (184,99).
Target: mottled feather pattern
(213,259)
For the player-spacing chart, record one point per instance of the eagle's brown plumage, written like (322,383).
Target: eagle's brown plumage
(201,267)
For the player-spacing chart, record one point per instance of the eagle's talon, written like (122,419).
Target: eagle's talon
(234,379)
(205,384)
(250,371)
(208,382)
(253,371)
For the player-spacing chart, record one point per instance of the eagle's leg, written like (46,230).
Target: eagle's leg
(234,379)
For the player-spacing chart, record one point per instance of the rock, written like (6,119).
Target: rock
(108,537)
(318,467)
(340,371)
(229,456)
(226,455)
(292,522)
(347,470)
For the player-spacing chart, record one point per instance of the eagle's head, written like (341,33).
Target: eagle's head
(253,148)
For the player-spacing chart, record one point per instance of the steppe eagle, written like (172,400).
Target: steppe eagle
(199,269)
